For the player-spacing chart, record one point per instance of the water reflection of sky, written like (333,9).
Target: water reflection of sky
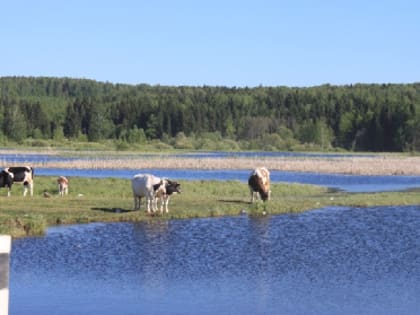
(329,261)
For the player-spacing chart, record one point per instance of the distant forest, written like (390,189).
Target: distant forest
(360,117)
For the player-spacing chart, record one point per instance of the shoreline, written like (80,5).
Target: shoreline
(383,164)
(110,200)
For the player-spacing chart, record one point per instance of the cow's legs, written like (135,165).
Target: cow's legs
(165,202)
(162,201)
(62,190)
(27,186)
(154,204)
(137,201)
(252,195)
(149,202)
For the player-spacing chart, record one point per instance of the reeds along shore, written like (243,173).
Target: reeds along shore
(380,165)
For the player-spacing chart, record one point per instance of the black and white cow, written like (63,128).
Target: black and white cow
(19,174)
(171,187)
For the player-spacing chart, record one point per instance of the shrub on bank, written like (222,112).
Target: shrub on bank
(206,141)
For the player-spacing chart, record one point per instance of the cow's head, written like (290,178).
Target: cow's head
(172,187)
(263,194)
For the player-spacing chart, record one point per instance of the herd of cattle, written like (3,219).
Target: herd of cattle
(152,188)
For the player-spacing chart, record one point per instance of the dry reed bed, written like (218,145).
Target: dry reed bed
(381,165)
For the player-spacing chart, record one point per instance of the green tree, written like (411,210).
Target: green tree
(413,133)
(14,123)
(136,135)
(72,122)
(99,125)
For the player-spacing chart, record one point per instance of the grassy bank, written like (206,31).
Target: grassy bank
(110,200)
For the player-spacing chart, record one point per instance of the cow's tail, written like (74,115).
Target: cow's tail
(32,172)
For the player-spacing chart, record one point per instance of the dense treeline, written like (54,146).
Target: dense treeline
(361,117)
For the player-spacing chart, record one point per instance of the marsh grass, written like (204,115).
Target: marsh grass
(380,164)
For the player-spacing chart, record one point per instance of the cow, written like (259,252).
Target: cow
(259,183)
(63,185)
(171,187)
(149,186)
(24,175)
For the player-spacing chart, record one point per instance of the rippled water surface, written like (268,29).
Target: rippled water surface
(328,261)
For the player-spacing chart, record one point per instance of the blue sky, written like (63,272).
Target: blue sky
(218,43)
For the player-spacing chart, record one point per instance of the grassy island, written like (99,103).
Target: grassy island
(110,200)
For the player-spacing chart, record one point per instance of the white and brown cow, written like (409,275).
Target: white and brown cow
(149,186)
(63,185)
(259,183)
(20,174)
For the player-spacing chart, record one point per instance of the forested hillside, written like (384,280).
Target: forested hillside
(361,117)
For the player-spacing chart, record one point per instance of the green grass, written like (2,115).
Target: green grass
(110,200)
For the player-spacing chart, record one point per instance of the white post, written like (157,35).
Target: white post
(5,245)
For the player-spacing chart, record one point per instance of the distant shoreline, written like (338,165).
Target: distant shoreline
(384,164)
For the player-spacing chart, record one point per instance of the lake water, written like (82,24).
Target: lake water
(328,261)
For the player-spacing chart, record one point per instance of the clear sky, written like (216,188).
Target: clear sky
(219,42)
